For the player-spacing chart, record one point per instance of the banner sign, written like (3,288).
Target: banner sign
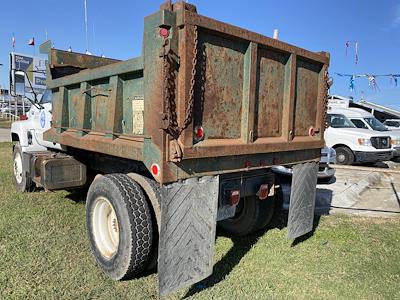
(35,73)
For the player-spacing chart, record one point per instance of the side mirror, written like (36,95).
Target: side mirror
(19,83)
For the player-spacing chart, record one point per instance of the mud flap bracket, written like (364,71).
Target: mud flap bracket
(187,235)
(302,199)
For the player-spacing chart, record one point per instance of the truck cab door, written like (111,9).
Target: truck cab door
(42,120)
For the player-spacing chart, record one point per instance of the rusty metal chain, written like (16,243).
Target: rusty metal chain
(172,127)
(169,94)
(328,83)
(189,109)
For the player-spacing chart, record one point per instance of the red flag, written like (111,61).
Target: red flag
(31,42)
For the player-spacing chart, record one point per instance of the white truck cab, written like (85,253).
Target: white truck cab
(363,119)
(29,132)
(28,137)
(355,145)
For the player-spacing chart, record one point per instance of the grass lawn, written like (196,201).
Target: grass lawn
(44,254)
(4,123)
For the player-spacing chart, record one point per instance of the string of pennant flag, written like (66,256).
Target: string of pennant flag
(372,79)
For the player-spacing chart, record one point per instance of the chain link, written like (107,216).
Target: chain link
(328,83)
(189,109)
(172,127)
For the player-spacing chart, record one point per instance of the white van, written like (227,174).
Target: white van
(355,145)
(363,119)
(392,124)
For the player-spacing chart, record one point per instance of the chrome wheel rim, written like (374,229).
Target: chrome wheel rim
(341,157)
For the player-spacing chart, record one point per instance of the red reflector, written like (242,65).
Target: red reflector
(199,132)
(263,192)
(155,169)
(23,117)
(311,131)
(235,197)
(164,32)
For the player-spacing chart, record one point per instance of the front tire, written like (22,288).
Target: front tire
(21,181)
(119,225)
(344,156)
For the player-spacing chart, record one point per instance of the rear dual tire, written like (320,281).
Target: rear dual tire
(119,225)
(252,214)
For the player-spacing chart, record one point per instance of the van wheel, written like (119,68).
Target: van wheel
(119,225)
(344,156)
(22,182)
(251,215)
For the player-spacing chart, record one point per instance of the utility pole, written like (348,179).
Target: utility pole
(0,76)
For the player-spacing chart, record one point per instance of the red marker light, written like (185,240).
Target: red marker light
(263,192)
(234,198)
(199,133)
(23,117)
(155,169)
(311,131)
(164,32)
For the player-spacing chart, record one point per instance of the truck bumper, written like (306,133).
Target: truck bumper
(396,151)
(373,156)
(324,171)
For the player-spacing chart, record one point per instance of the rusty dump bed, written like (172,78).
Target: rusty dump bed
(204,98)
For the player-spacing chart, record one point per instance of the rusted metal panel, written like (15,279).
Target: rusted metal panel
(251,95)
(81,61)
(271,87)
(223,86)
(306,96)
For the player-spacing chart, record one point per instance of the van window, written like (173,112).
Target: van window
(392,123)
(375,124)
(359,123)
(339,121)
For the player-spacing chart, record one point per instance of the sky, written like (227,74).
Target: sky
(115,30)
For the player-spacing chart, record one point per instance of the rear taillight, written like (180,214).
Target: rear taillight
(234,197)
(263,192)
(23,117)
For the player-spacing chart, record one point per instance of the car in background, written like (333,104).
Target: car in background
(392,124)
(20,109)
(325,171)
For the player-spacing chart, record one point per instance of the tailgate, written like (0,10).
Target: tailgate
(253,94)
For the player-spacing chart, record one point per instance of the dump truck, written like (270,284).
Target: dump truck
(178,140)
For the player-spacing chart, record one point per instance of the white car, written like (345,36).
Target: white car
(363,119)
(355,145)
(392,124)
(325,171)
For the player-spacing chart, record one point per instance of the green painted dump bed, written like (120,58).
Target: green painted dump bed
(204,98)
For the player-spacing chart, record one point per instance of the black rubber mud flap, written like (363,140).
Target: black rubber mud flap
(302,199)
(188,225)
